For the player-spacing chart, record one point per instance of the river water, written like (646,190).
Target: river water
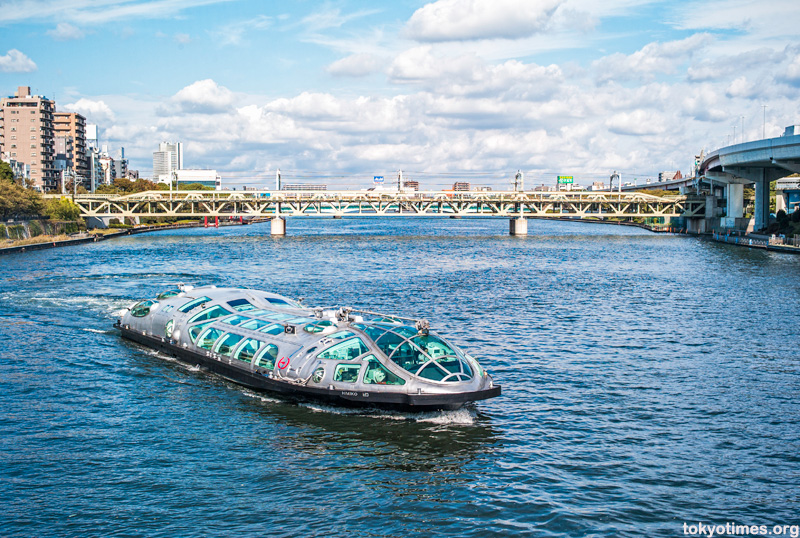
(648,381)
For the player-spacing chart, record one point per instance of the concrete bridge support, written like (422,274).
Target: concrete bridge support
(735,196)
(518,226)
(762,200)
(277,226)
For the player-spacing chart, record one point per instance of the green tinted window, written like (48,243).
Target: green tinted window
(318,327)
(255,324)
(210,313)
(266,358)
(193,304)
(236,320)
(345,351)
(207,339)
(272,329)
(279,317)
(247,350)
(168,294)
(227,343)
(197,329)
(347,373)
(241,305)
(168,328)
(378,374)
(141,309)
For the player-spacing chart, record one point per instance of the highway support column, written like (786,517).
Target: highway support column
(762,201)
(735,207)
(518,226)
(277,226)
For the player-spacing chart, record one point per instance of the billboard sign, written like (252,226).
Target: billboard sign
(377,180)
(564,180)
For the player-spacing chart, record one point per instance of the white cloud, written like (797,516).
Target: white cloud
(652,59)
(792,74)
(94,111)
(65,32)
(234,33)
(16,62)
(183,39)
(456,20)
(636,123)
(203,96)
(95,11)
(356,65)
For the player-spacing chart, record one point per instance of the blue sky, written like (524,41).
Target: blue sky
(444,90)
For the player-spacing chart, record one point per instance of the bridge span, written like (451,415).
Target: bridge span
(759,162)
(277,205)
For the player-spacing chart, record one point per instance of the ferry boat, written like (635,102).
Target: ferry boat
(341,356)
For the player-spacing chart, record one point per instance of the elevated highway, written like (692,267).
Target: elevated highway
(759,162)
(277,205)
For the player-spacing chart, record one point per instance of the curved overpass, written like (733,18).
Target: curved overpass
(759,162)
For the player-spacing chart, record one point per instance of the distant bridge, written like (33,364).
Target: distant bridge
(759,162)
(337,204)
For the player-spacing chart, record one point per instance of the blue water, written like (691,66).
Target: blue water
(648,381)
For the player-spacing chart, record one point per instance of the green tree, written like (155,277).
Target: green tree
(17,201)
(6,174)
(62,209)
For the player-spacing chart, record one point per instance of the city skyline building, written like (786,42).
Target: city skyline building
(27,135)
(167,160)
(73,125)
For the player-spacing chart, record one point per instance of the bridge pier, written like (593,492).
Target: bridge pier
(762,201)
(518,226)
(277,226)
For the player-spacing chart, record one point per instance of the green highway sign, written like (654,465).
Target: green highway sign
(563,180)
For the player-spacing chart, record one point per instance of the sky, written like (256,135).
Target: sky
(337,92)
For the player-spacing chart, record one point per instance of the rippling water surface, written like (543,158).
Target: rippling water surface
(648,381)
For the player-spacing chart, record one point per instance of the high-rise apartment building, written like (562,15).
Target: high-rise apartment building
(166,160)
(26,135)
(73,125)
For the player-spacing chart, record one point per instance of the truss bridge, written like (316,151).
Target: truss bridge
(277,205)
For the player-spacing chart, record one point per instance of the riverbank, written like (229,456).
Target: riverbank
(754,241)
(47,242)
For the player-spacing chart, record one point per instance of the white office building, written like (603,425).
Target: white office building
(168,159)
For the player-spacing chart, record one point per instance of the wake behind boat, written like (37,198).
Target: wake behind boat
(271,343)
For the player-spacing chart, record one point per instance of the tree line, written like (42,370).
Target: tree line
(18,202)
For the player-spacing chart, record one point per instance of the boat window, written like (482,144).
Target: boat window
(347,373)
(318,327)
(259,312)
(142,308)
(167,294)
(340,335)
(378,374)
(345,351)
(296,321)
(272,329)
(168,328)
(236,320)
(408,356)
(372,332)
(434,347)
(211,313)
(168,308)
(281,302)
(209,336)
(247,350)
(267,356)
(255,324)
(197,329)
(226,344)
(433,372)
(241,305)
(193,304)
(278,316)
